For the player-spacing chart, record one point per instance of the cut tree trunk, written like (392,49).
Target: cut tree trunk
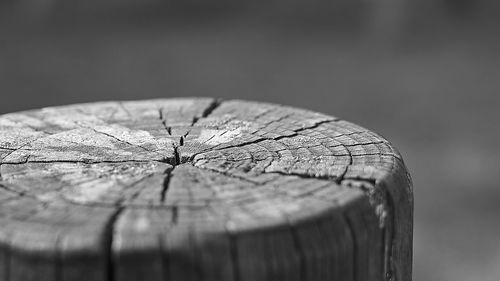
(199,189)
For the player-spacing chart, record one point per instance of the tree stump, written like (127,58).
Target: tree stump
(200,190)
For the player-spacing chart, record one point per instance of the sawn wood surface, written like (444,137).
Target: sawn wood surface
(199,190)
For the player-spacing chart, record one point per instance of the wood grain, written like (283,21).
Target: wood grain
(199,189)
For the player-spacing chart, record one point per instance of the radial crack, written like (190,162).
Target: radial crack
(166,185)
(108,243)
(211,107)
(83,161)
(118,139)
(261,138)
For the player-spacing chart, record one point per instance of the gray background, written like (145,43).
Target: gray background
(425,74)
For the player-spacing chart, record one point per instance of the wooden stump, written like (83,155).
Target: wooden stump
(199,189)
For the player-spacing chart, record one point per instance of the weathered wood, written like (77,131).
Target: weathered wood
(199,189)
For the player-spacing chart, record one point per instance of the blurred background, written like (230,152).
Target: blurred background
(423,73)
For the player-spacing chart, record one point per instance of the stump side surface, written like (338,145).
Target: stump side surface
(199,189)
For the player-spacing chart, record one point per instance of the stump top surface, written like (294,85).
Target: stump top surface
(192,153)
(75,176)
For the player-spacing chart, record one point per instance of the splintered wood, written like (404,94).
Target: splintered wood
(199,190)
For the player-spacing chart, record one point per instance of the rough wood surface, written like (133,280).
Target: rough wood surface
(201,190)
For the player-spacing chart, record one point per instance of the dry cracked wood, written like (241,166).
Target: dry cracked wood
(200,190)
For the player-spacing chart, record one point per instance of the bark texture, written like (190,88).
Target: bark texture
(200,190)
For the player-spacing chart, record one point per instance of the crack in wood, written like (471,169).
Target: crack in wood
(166,185)
(211,107)
(177,157)
(83,161)
(108,243)
(118,139)
(261,139)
